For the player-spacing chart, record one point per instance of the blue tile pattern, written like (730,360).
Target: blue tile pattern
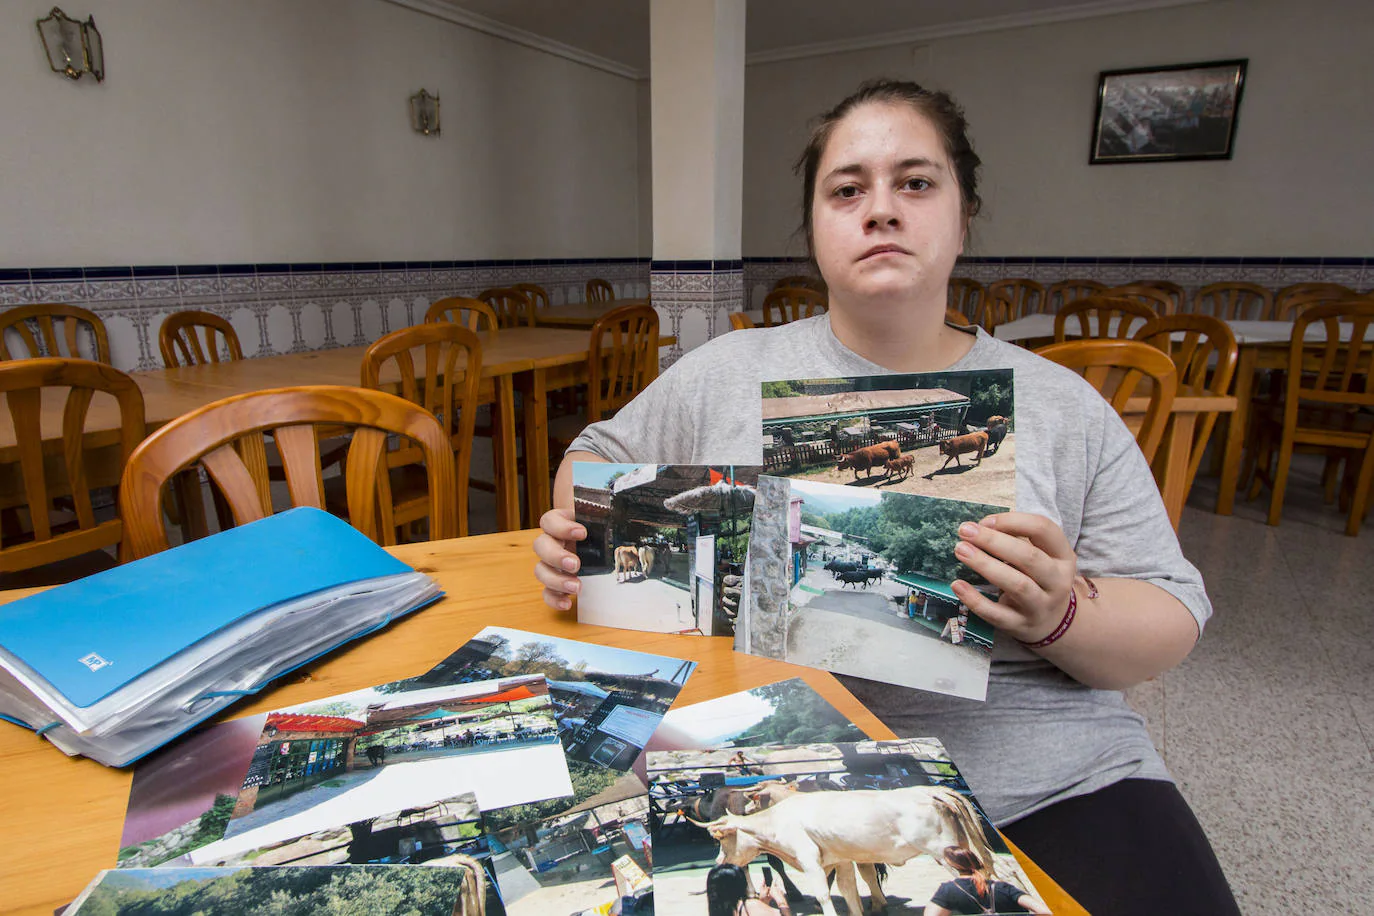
(694,299)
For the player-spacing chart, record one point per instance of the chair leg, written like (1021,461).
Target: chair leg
(1256,466)
(1280,480)
(1359,504)
(1331,477)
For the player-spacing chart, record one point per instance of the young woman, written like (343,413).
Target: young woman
(1055,754)
(974,892)
(727,894)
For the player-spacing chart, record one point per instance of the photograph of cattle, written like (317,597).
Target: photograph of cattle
(869,592)
(665,545)
(358,755)
(815,817)
(944,434)
(608,701)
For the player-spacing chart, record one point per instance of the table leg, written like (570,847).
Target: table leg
(537,493)
(1235,433)
(507,468)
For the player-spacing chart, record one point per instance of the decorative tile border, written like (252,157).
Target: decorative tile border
(292,308)
(695,298)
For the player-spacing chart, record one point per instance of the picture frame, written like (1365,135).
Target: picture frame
(1165,114)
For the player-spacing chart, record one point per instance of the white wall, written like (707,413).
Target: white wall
(261,130)
(1299,184)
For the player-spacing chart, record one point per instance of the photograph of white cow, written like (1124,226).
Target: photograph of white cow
(806,821)
(943,434)
(665,545)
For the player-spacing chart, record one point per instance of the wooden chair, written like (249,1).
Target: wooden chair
(1204,352)
(1158,301)
(1093,317)
(444,388)
(1292,299)
(992,311)
(199,337)
(964,295)
(538,296)
(1234,300)
(801,281)
(599,290)
(57,325)
(956,317)
(1066,291)
(42,477)
(621,362)
(226,438)
(512,307)
(473,314)
(1117,368)
(740,320)
(1327,402)
(1178,296)
(792,303)
(1025,296)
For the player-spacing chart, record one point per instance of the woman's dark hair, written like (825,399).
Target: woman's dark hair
(941,110)
(726,888)
(966,863)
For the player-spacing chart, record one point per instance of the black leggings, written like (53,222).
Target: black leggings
(1131,848)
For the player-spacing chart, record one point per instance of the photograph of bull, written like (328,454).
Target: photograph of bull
(926,434)
(816,815)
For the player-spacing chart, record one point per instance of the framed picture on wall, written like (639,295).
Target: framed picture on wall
(1158,114)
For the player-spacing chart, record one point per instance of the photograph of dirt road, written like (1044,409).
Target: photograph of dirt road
(944,434)
(795,799)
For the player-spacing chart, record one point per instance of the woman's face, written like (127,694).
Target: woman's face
(886,221)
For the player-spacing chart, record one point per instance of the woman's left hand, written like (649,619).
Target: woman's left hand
(1027,557)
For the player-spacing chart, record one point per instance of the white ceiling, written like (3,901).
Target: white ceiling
(616,32)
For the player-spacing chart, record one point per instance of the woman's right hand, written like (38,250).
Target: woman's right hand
(558,563)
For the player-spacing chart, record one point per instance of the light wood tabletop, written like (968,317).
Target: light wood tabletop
(62,817)
(580,314)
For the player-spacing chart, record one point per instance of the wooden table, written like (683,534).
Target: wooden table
(62,817)
(580,314)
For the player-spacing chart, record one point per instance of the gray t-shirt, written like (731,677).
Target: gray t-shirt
(1040,736)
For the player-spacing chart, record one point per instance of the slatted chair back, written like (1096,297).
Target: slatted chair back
(473,314)
(1065,291)
(1158,301)
(1205,353)
(993,309)
(1234,300)
(1101,316)
(740,320)
(623,358)
(46,473)
(512,307)
(1025,296)
(964,295)
(226,439)
(1117,369)
(792,303)
(599,290)
(193,338)
(1291,300)
(538,296)
(445,384)
(956,317)
(1178,296)
(53,329)
(800,281)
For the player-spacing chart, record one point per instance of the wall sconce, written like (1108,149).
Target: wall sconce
(424,113)
(73,47)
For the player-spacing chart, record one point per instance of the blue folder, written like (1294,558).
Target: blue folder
(91,637)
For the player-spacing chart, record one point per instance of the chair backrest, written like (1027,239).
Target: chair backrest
(740,320)
(1178,296)
(1334,368)
(964,295)
(1292,299)
(1157,300)
(1234,300)
(193,338)
(792,304)
(622,359)
(599,290)
(538,296)
(1026,296)
(1117,368)
(1066,291)
(512,307)
(1205,353)
(59,329)
(226,438)
(22,381)
(473,314)
(954,316)
(802,281)
(446,386)
(1094,316)
(993,309)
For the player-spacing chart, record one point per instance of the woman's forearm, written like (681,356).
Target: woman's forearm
(1128,634)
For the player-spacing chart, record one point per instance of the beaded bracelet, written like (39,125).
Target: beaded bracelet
(1063,624)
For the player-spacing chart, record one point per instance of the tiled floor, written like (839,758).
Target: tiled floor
(1268,726)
